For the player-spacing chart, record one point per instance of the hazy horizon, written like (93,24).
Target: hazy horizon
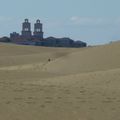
(92,21)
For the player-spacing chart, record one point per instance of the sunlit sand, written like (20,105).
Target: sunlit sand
(38,83)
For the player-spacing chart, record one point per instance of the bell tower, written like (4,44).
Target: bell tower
(38,30)
(26,29)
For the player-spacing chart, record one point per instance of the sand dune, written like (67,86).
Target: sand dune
(76,84)
(91,59)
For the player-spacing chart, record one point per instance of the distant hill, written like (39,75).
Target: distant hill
(5,39)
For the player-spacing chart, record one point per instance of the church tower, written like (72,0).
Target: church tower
(26,29)
(38,32)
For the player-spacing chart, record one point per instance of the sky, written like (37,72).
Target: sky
(92,21)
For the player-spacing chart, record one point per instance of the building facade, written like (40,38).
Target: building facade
(27,34)
(38,30)
(27,37)
(26,29)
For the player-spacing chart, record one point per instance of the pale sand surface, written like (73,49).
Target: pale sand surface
(77,84)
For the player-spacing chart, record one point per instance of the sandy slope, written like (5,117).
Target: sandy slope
(77,84)
(90,60)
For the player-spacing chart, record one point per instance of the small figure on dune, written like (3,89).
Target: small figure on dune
(49,60)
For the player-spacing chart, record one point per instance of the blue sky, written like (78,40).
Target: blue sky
(93,21)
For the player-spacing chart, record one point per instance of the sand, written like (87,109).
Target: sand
(75,84)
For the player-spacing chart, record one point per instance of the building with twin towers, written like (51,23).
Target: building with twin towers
(27,34)
(29,37)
